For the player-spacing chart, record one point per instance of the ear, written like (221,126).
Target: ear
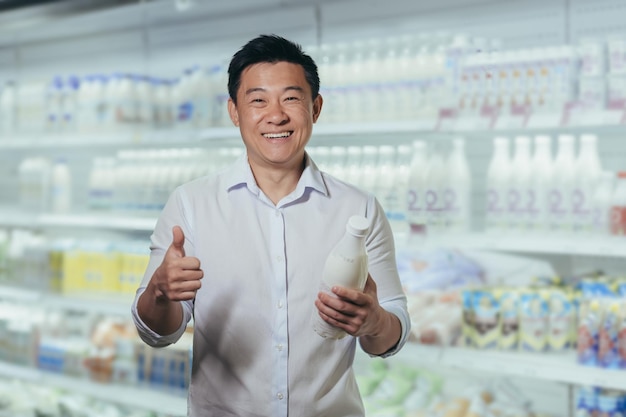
(232,112)
(317,107)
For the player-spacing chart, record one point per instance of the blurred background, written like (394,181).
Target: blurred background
(492,132)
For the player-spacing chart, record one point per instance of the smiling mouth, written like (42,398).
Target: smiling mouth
(280,135)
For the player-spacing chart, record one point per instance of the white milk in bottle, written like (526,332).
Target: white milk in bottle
(346,266)
(588,173)
(61,187)
(540,179)
(498,179)
(562,187)
(519,192)
(416,189)
(457,194)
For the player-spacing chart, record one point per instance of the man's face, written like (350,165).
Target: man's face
(275,114)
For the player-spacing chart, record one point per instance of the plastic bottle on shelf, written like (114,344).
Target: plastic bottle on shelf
(346,266)
(415,203)
(61,184)
(367,179)
(618,206)
(458,190)
(541,166)
(337,166)
(588,172)
(69,104)
(54,103)
(498,181)
(601,204)
(385,184)
(353,168)
(436,180)
(400,186)
(563,185)
(519,192)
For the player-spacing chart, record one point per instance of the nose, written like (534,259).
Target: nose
(276,113)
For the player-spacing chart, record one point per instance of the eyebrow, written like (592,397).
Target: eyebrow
(261,89)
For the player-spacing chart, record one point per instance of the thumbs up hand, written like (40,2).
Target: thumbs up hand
(178,277)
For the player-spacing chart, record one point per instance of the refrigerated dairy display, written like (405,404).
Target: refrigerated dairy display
(383,98)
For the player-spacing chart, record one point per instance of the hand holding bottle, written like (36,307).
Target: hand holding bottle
(359,314)
(178,277)
(354,311)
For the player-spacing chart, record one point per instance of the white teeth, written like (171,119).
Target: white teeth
(276,135)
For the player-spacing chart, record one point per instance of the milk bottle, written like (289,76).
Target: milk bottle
(540,179)
(416,209)
(61,187)
(601,204)
(498,179)
(346,266)
(588,172)
(618,206)
(369,164)
(433,199)
(385,180)
(353,169)
(519,192)
(562,187)
(457,202)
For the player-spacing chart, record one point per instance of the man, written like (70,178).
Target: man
(242,252)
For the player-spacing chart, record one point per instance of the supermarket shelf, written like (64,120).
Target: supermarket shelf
(152,400)
(553,367)
(187,137)
(11,217)
(609,246)
(113,304)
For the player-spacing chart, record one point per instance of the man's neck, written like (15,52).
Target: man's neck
(277,183)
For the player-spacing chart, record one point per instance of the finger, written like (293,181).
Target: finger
(331,305)
(178,240)
(189,263)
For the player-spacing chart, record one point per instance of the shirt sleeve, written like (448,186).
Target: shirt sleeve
(384,270)
(173,214)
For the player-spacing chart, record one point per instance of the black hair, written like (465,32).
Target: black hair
(270,48)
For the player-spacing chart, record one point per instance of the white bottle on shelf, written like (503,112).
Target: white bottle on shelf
(563,185)
(458,190)
(61,184)
(618,206)
(601,204)
(540,178)
(519,193)
(436,179)
(416,189)
(385,181)
(588,172)
(498,180)
(345,266)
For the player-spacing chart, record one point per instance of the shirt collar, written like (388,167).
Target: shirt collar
(240,174)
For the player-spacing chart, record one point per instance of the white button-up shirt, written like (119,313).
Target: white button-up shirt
(254,350)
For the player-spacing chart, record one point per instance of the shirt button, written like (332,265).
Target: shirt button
(279,304)
(277,213)
(279,347)
(280,396)
(279,258)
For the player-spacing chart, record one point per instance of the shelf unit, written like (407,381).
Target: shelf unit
(553,367)
(11,217)
(129,396)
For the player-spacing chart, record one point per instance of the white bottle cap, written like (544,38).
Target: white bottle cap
(358,226)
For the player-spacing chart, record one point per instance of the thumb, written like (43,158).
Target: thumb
(178,240)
